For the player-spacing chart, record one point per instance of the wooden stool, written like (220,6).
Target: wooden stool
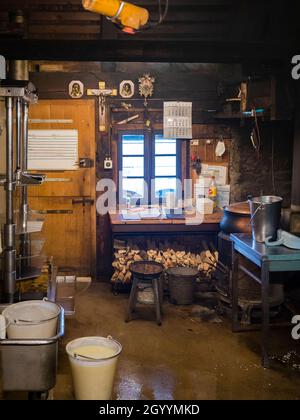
(146,272)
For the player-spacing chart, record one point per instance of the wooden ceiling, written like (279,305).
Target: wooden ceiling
(194,30)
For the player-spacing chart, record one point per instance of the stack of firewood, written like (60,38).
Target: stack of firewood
(205,262)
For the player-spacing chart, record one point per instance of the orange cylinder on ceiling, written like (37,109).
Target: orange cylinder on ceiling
(131,16)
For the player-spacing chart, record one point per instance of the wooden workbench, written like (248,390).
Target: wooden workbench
(211,223)
(170,233)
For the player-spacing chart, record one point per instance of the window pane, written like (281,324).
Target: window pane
(133,188)
(133,145)
(165,166)
(164,146)
(163,185)
(133,166)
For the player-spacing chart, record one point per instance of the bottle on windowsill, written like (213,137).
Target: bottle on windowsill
(213,191)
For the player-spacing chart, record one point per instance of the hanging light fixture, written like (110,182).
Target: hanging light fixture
(129,16)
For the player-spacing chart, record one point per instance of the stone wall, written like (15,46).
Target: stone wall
(270,172)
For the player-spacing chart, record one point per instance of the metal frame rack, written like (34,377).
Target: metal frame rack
(19,95)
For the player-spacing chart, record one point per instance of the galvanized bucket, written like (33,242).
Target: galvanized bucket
(182,282)
(265,217)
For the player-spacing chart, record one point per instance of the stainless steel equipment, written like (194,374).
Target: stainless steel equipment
(20,94)
(265,217)
(30,365)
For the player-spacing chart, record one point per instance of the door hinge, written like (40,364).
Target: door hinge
(83,201)
(53,211)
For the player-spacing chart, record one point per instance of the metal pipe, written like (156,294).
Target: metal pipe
(9,228)
(24,166)
(9,160)
(19,70)
(24,250)
(18,132)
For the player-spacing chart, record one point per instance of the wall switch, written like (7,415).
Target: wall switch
(108,163)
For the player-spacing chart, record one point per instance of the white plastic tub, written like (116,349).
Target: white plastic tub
(93,363)
(33,319)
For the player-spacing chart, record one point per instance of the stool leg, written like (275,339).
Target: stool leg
(157,303)
(161,293)
(132,299)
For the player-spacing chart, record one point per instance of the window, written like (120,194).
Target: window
(165,166)
(148,162)
(132,167)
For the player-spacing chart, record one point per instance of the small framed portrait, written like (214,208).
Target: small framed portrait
(76,89)
(127,89)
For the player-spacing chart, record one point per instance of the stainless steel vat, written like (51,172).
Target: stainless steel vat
(30,365)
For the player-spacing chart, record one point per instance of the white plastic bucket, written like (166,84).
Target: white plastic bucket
(34,319)
(93,363)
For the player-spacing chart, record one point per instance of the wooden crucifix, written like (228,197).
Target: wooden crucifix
(102,93)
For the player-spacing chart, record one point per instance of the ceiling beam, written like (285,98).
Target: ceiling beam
(151,51)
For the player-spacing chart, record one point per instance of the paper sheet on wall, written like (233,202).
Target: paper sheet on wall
(178,120)
(53,150)
(219,171)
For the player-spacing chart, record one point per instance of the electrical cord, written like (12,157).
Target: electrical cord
(272,163)
(258,133)
(255,135)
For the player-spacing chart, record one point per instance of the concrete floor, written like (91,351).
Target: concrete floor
(183,359)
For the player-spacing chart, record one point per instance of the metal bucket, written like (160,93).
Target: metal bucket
(265,217)
(32,319)
(182,282)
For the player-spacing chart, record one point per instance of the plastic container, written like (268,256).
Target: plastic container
(182,282)
(93,363)
(265,217)
(32,319)
(205,205)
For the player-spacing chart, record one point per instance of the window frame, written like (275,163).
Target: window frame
(178,160)
(149,160)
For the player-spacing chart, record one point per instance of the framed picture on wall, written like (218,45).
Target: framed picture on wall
(76,89)
(127,89)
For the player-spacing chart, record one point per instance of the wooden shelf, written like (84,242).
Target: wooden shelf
(240,116)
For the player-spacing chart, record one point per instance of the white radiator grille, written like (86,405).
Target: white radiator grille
(53,150)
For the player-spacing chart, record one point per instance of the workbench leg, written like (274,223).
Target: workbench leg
(235,290)
(265,285)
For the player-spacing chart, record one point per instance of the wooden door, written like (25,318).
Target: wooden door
(68,205)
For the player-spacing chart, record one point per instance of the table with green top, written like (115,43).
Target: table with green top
(268,259)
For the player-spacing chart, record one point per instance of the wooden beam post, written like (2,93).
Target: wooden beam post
(296,160)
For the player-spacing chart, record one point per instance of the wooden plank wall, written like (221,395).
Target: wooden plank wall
(192,82)
(50,20)
(210,20)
